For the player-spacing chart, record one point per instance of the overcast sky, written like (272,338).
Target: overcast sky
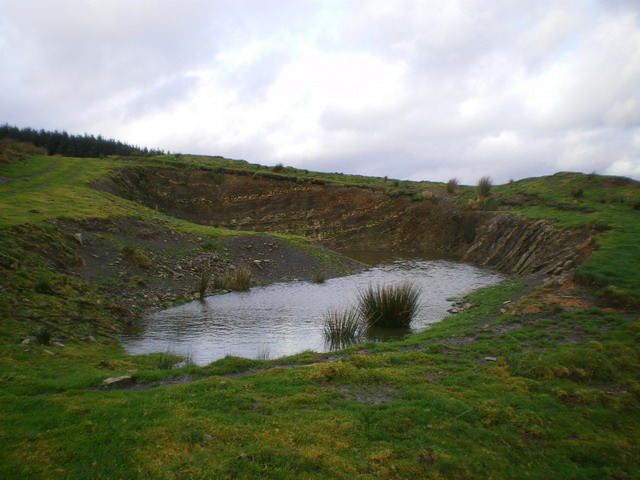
(411,89)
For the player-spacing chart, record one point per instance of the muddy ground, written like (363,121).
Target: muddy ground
(147,266)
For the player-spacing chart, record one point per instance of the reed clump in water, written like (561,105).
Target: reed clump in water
(389,306)
(343,327)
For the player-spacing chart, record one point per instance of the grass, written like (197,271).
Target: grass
(553,394)
(605,207)
(168,359)
(239,279)
(483,190)
(342,328)
(389,306)
(135,256)
(319,276)
(422,408)
(203,284)
(452,184)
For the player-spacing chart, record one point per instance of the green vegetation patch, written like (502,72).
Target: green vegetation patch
(483,394)
(606,207)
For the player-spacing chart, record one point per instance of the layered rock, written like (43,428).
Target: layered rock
(350,217)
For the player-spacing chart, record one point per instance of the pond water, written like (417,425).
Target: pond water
(287,318)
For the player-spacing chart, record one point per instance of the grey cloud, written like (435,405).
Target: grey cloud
(161,97)
(488,87)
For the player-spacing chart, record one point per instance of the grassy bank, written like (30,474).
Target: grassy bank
(527,384)
(551,394)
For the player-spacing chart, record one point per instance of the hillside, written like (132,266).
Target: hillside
(539,380)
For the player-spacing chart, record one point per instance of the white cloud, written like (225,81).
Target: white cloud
(625,166)
(420,89)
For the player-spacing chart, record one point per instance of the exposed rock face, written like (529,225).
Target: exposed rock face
(339,217)
(520,245)
(344,217)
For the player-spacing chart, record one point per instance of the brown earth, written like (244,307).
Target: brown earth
(175,261)
(351,217)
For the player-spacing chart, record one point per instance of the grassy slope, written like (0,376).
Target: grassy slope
(553,393)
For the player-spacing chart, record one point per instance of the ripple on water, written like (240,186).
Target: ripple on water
(286,318)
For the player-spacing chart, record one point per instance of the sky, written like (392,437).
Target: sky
(409,89)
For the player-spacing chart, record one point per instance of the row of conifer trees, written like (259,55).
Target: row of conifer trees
(65,144)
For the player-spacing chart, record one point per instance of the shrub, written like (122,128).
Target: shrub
(484,189)
(391,306)
(343,327)
(278,168)
(452,185)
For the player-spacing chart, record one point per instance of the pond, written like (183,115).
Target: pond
(287,318)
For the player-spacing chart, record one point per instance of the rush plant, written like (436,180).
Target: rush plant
(389,306)
(343,327)
(484,189)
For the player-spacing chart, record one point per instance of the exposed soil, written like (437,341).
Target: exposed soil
(272,260)
(170,264)
(350,217)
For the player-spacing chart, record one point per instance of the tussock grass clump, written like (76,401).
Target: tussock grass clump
(240,279)
(42,335)
(168,359)
(484,189)
(135,256)
(343,327)
(577,193)
(219,283)
(213,247)
(390,306)
(319,276)
(452,185)
(205,276)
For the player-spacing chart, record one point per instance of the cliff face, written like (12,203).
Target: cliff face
(350,217)
(520,245)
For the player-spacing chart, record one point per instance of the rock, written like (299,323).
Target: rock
(78,237)
(58,344)
(490,359)
(26,341)
(89,339)
(118,381)
(453,310)
(49,352)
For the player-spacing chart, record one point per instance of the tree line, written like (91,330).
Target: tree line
(62,143)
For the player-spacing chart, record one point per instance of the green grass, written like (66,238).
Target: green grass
(480,395)
(389,306)
(343,328)
(605,208)
(417,409)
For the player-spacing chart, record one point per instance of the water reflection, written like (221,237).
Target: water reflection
(287,318)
